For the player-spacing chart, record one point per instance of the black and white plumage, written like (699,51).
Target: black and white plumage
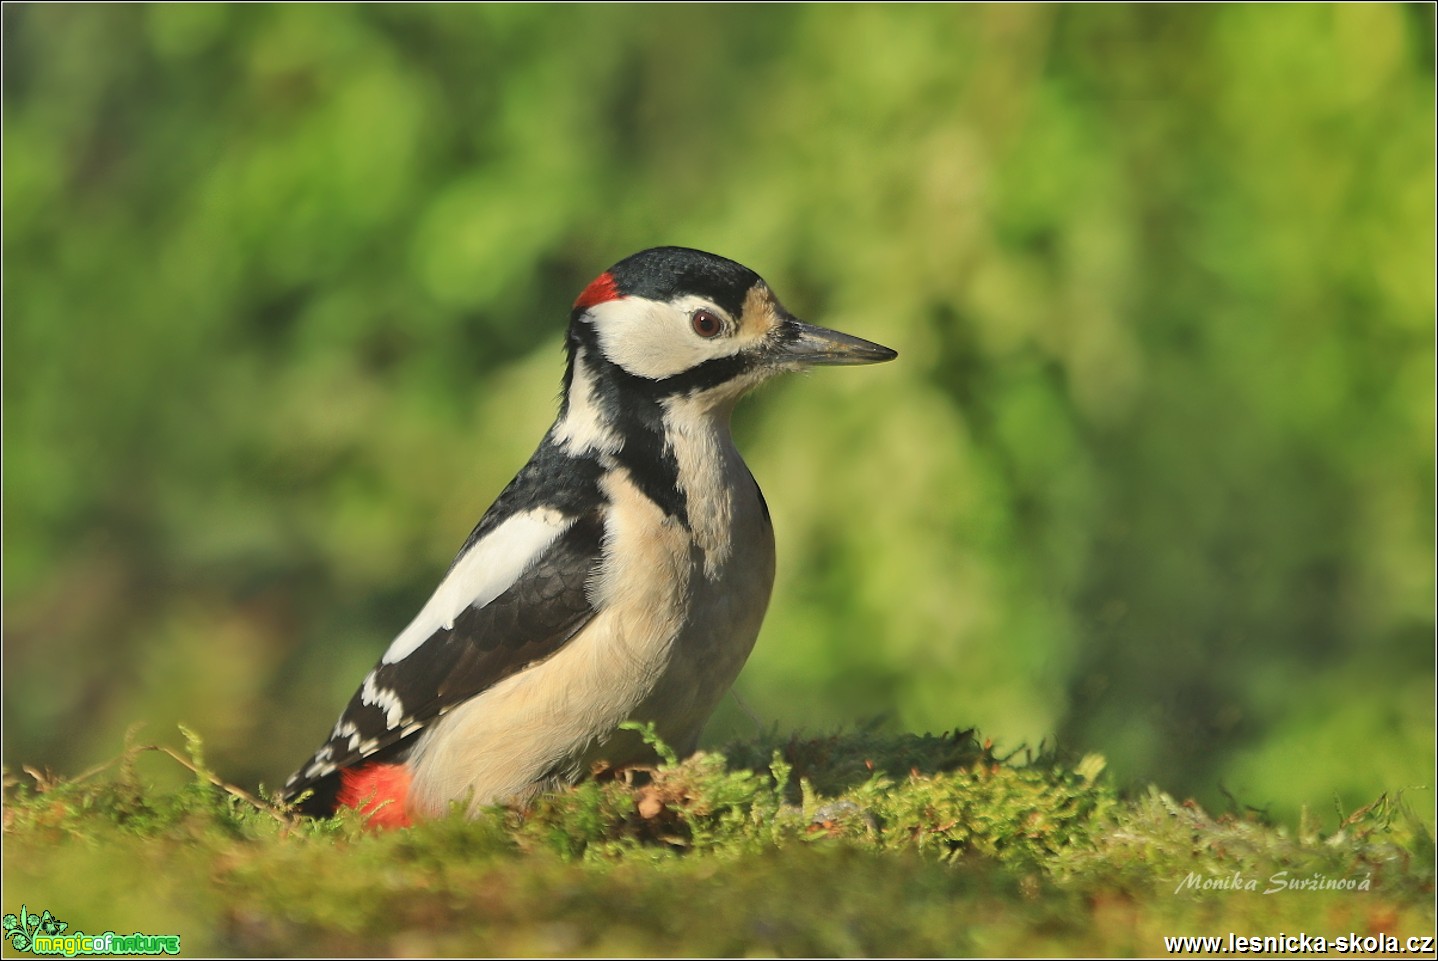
(622,575)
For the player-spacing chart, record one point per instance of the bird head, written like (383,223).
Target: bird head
(671,321)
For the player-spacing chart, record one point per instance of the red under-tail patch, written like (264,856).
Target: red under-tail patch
(601,289)
(379,790)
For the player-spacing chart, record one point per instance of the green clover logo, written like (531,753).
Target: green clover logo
(20,930)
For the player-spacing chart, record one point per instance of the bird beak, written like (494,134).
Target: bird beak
(804,345)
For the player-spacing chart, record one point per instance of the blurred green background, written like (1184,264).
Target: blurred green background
(284,294)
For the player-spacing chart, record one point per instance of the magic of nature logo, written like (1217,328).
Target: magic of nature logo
(45,934)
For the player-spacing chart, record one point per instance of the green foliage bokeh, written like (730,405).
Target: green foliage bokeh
(284,289)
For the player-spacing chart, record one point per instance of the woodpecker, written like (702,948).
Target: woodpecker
(622,575)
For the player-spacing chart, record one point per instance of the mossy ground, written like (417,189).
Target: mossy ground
(853,844)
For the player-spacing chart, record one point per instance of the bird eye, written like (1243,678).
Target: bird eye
(705,323)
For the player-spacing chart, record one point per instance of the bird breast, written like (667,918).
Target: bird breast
(722,570)
(678,606)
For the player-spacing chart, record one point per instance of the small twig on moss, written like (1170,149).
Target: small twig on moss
(228,788)
(45,781)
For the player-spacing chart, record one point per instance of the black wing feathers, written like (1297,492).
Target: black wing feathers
(552,478)
(531,620)
(527,623)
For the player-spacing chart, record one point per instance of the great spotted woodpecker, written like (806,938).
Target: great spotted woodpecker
(622,575)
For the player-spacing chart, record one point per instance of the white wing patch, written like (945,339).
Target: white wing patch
(487,570)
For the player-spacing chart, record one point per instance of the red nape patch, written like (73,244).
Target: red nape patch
(601,289)
(379,790)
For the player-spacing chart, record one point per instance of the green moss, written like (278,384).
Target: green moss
(847,844)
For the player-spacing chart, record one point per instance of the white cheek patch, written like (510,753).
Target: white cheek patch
(487,570)
(652,339)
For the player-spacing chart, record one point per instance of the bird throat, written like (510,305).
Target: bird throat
(676,448)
